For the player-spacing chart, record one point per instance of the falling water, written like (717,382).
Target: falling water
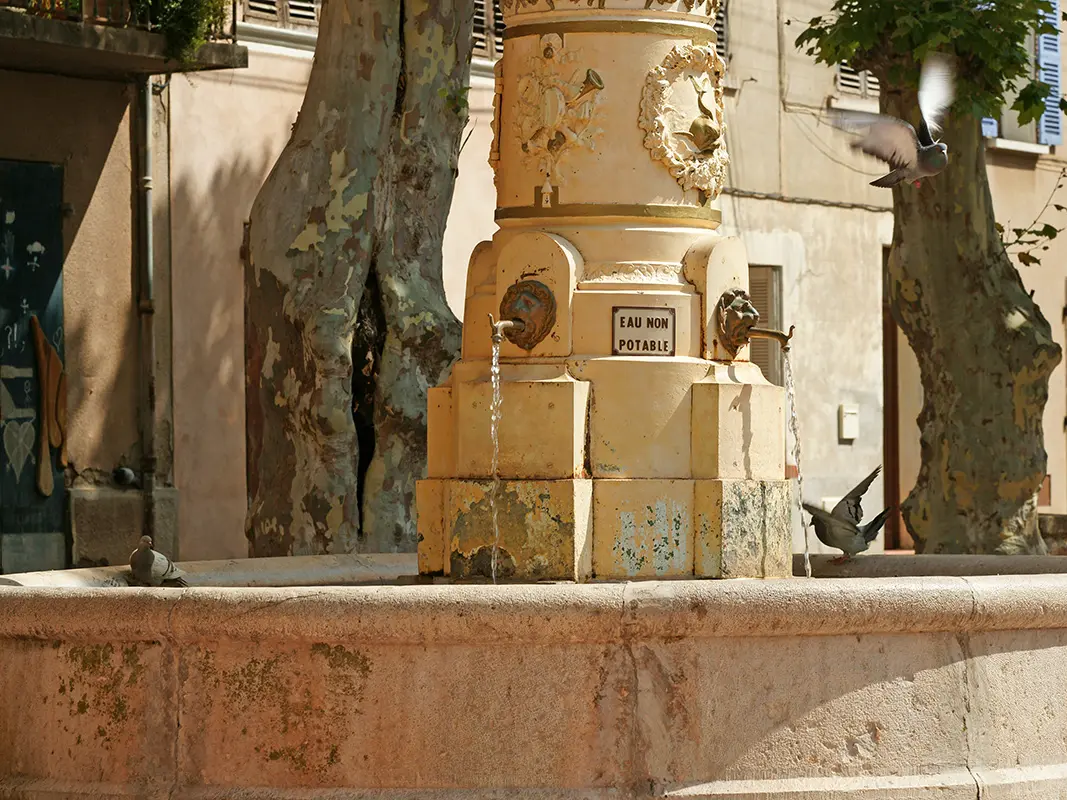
(494,433)
(794,428)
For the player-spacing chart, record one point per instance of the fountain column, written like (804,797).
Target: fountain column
(637,440)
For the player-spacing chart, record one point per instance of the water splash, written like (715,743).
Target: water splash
(794,428)
(494,434)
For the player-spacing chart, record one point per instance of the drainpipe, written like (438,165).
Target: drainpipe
(146,308)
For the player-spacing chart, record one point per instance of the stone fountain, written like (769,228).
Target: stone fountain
(637,439)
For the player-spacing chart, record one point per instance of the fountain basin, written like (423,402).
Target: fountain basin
(882,688)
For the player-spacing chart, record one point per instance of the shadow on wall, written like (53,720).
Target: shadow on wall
(208,216)
(99,285)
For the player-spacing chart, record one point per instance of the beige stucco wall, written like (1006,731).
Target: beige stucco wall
(84,125)
(227,129)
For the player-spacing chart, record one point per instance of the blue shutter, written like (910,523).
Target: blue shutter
(1050,126)
(990,128)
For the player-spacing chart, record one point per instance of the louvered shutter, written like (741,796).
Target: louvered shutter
(721,30)
(1050,126)
(763,289)
(498,29)
(262,8)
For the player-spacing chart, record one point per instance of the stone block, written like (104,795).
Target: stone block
(545,529)
(541,430)
(32,552)
(106,523)
(642,528)
(552,261)
(743,529)
(430,509)
(641,416)
(738,429)
(440,438)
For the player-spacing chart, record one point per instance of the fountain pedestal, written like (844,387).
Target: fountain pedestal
(636,439)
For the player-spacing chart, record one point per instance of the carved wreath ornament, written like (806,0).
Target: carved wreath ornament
(696,161)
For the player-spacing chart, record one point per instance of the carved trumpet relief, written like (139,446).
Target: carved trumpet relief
(555,112)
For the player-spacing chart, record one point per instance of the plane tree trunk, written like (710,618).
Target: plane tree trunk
(985,354)
(364,185)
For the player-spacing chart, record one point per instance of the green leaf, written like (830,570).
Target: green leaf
(1028,260)
(1019,231)
(999,227)
(1048,231)
(1058,207)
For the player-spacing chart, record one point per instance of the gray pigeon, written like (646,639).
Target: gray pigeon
(840,528)
(912,156)
(152,568)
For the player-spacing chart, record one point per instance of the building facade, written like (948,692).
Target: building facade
(816,235)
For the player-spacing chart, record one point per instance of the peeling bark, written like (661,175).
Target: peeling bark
(985,354)
(343,196)
(423,336)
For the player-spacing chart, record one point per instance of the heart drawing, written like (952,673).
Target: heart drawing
(18,444)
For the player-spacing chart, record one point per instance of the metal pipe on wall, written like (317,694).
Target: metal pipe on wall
(146,306)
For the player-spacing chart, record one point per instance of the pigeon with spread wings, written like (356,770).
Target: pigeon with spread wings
(912,156)
(840,528)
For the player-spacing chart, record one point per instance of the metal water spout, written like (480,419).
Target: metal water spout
(737,319)
(505,324)
(770,333)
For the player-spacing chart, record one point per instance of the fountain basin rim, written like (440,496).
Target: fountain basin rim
(541,613)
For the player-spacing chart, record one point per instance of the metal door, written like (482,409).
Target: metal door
(33,529)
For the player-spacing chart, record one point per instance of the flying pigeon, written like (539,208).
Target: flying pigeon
(152,568)
(840,528)
(912,156)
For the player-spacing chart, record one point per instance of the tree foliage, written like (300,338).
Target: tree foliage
(985,351)
(988,38)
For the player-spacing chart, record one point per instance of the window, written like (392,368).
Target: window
(765,289)
(859,82)
(488,29)
(1048,130)
(721,30)
(284,13)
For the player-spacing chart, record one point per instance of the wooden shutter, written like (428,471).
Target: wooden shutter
(1050,126)
(720,29)
(481,30)
(848,79)
(263,9)
(764,289)
(303,12)
(498,29)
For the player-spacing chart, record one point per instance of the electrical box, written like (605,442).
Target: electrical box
(848,423)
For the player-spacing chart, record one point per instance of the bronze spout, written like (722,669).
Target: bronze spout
(767,333)
(504,324)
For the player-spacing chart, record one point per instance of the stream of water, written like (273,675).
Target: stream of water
(794,428)
(494,433)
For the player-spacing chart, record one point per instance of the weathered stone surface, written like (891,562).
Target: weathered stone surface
(106,523)
(880,689)
(642,528)
(743,529)
(738,428)
(544,530)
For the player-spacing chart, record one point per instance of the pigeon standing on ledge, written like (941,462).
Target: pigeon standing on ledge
(840,528)
(912,156)
(152,568)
